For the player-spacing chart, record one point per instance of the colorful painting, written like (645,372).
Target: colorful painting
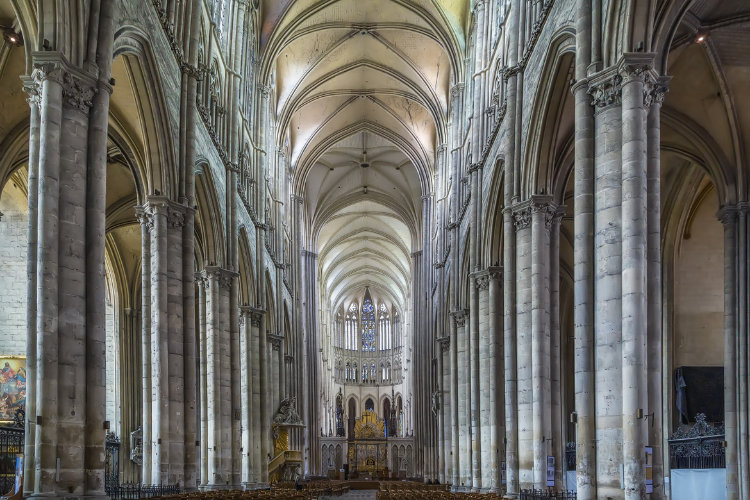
(12,386)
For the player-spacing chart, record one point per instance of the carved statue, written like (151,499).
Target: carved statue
(136,446)
(287,412)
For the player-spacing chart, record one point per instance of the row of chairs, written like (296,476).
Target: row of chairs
(433,494)
(310,490)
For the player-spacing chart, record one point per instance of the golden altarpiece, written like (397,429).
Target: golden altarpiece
(368,451)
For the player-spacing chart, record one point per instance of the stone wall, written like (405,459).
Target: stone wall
(699,290)
(13,227)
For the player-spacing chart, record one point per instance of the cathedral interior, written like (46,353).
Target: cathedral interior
(489,247)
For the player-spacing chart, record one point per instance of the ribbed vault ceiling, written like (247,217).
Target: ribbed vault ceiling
(362,90)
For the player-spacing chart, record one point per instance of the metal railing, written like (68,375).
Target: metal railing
(547,495)
(135,491)
(11,445)
(702,452)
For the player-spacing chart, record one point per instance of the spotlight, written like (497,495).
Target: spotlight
(11,36)
(701,37)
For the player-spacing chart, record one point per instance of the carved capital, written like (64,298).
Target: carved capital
(495,273)
(659,89)
(175,216)
(459,316)
(605,90)
(521,214)
(222,277)
(256,316)
(482,280)
(78,87)
(636,66)
(543,204)
(445,343)
(145,218)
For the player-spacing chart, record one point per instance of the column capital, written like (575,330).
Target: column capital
(457,90)
(144,217)
(636,66)
(275,340)
(543,204)
(224,277)
(481,279)
(494,273)
(605,88)
(78,87)
(659,89)
(459,316)
(444,343)
(256,315)
(521,215)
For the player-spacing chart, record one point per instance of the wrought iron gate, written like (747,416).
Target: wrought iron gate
(112,464)
(11,444)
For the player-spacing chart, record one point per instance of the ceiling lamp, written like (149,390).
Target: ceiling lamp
(11,36)
(701,37)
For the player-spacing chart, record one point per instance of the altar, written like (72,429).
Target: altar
(368,451)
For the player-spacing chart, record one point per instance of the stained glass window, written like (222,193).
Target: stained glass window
(368,324)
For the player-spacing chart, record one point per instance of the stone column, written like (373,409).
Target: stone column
(220,415)
(259,462)
(246,396)
(510,359)
(34,100)
(167,354)
(457,317)
(203,287)
(526,445)
(557,366)
(66,354)
(542,209)
(482,283)
(444,348)
(464,423)
(584,290)
(605,88)
(728,217)
(635,70)
(473,338)
(496,380)
(657,378)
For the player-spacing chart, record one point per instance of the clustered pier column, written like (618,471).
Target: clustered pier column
(66,339)
(167,353)
(216,357)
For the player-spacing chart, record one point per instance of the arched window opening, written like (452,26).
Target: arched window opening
(368,323)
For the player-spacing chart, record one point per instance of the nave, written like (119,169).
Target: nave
(496,247)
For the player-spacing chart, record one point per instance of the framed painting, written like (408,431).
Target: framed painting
(12,386)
